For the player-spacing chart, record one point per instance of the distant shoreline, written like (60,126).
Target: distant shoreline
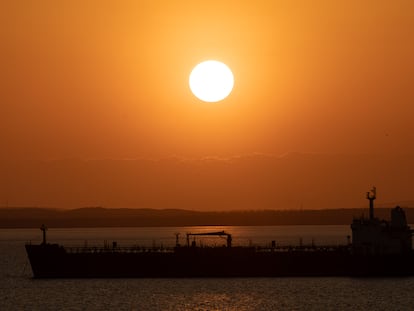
(112,217)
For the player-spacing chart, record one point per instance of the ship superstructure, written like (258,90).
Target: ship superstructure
(380,237)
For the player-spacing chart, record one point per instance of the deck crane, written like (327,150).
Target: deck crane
(218,233)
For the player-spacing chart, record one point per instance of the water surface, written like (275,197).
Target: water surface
(18,291)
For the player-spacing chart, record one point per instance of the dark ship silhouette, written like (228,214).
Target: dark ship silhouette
(378,248)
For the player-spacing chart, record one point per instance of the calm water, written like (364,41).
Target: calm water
(18,291)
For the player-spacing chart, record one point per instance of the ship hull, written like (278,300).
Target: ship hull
(54,261)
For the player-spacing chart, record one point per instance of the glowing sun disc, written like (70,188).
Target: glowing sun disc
(211,81)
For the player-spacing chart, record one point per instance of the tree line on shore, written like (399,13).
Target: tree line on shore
(123,217)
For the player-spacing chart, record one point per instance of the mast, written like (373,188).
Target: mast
(371,196)
(44,229)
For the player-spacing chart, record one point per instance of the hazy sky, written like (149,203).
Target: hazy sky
(109,79)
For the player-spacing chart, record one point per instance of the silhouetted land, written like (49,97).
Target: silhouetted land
(105,217)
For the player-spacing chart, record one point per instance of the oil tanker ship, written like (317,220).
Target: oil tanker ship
(378,248)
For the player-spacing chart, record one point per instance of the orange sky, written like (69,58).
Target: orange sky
(109,79)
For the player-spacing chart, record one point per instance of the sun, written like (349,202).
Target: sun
(211,81)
